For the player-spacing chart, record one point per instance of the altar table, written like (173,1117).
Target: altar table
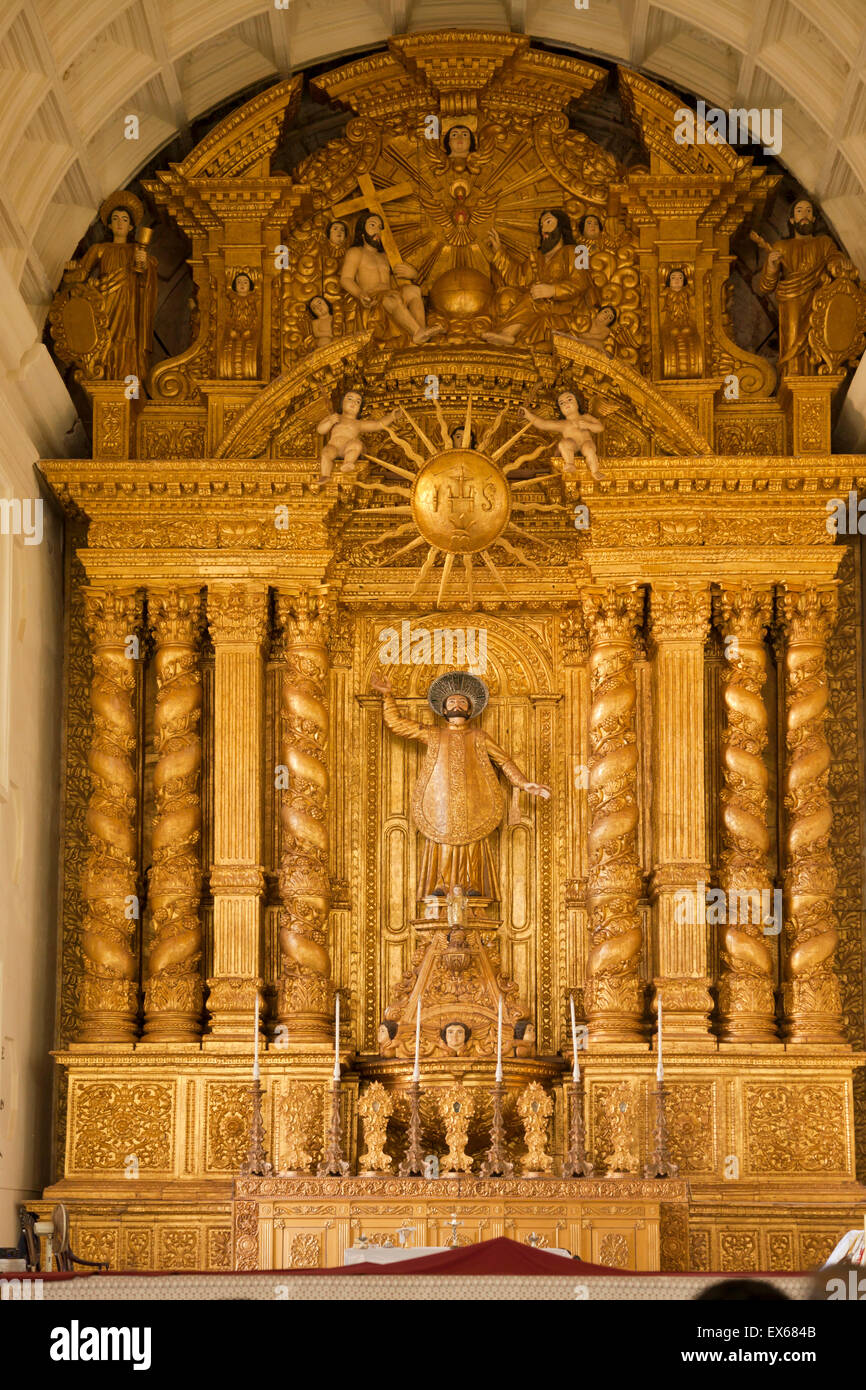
(312,1223)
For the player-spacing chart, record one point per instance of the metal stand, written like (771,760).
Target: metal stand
(496,1164)
(256,1164)
(413,1163)
(660,1165)
(333,1163)
(576,1164)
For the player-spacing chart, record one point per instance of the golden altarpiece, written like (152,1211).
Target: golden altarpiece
(463,392)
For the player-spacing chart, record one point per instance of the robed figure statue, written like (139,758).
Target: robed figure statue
(458,801)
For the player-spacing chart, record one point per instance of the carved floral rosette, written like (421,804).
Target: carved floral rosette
(746,999)
(613,990)
(305,999)
(109,989)
(174,992)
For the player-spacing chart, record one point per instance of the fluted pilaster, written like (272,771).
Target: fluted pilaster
(746,999)
(174,993)
(679,621)
(109,990)
(238,622)
(614,999)
(305,996)
(811,993)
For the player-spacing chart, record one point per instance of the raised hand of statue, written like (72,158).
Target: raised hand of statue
(541,291)
(493,241)
(537,789)
(380,684)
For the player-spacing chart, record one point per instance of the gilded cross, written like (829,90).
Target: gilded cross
(374,199)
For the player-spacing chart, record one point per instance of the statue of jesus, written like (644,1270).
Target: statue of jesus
(457,802)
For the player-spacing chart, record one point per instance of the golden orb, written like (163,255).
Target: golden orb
(461,293)
(460,501)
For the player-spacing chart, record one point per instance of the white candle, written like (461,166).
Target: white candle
(575,1075)
(337,1041)
(499,1045)
(660,1071)
(256,1042)
(416,1071)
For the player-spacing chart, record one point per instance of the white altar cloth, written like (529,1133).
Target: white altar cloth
(387,1254)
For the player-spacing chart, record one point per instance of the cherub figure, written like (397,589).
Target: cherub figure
(575,432)
(345,430)
(322,326)
(599,332)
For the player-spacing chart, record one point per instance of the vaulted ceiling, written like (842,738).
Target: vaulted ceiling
(72,71)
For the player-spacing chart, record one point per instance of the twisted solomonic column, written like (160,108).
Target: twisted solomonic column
(614,996)
(174,991)
(305,992)
(746,999)
(811,993)
(109,990)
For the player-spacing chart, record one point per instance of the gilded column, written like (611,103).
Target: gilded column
(811,993)
(306,993)
(174,993)
(238,622)
(109,990)
(679,625)
(614,996)
(746,1000)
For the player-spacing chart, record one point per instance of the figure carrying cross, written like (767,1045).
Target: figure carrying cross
(373,272)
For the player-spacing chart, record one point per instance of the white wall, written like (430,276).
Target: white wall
(35,420)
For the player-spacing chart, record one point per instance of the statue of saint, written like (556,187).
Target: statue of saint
(367,278)
(555,286)
(124,276)
(796,268)
(457,802)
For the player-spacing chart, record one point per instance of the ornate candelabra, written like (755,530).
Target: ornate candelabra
(496,1164)
(576,1164)
(660,1164)
(413,1163)
(333,1163)
(256,1164)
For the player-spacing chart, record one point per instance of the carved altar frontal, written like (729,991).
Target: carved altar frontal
(463,397)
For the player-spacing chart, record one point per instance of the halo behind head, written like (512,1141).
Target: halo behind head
(122,199)
(458,683)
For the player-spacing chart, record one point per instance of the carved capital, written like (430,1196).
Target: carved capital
(573,638)
(237,613)
(308,618)
(175,616)
(612,614)
(680,613)
(807,614)
(742,611)
(111,616)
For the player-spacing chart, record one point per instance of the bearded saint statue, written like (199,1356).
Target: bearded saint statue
(457,802)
